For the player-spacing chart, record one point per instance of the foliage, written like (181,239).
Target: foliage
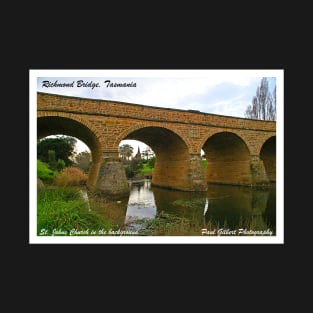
(125,151)
(51,159)
(263,105)
(63,148)
(146,168)
(64,210)
(165,224)
(136,166)
(60,165)
(83,161)
(128,172)
(169,224)
(43,172)
(151,162)
(147,153)
(132,167)
(71,176)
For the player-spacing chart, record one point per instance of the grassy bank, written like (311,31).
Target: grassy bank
(167,224)
(63,211)
(146,169)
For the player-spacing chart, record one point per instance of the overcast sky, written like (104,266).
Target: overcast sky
(224,92)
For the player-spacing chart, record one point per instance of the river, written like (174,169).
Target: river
(222,210)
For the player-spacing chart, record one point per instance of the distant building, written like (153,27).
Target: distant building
(138,154)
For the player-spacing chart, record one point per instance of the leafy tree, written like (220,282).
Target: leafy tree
(263,105)
(133,167)
(125,151)
(151,162)
(147,153)
(83,161)
(51,159)
(64,148)
(60,165)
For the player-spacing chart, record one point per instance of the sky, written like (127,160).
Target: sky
(223,92)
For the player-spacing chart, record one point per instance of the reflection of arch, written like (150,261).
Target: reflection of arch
(268,156)
(172,156)
(228,159)
(243,207)
(53,125)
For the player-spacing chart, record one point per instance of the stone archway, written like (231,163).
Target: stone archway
(268,156)
(228,159)
(52,125)
(175,167)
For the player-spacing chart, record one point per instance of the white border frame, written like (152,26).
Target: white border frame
(34,239)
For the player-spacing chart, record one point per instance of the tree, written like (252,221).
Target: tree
(263,105)
(274,106)
(53,164)
(51,159)
(125,151)
(83,161)
(148,153)
(63,148)
(151,162)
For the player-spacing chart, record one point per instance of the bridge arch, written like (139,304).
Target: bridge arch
(241,153)
(173,166)
(228,159)
(53,125)
(126,133)
(268,156)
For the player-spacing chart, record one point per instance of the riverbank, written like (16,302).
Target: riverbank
(64,211)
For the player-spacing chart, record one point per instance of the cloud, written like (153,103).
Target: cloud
(225,98)
(218,92)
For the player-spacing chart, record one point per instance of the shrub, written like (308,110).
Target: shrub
(60,165)
(71,176)
(43,172)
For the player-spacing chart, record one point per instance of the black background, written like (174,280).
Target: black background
(162,277)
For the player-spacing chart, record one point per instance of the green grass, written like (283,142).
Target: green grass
(168,224)
(62,211)
(146,169)
(43,171)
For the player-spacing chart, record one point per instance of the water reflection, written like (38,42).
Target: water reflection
(111,210)
(206,206)
(234,207)
(141,203)
(230,207)
(187,205)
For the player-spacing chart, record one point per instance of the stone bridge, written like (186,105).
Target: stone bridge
(239,151)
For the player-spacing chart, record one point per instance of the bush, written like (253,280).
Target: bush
(71,176)
(60,165)
(151,162)
(43,172)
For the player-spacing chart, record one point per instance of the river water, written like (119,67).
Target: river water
(222,210)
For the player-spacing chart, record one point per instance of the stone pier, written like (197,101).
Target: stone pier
(112,181)
(196,174)
(258,173)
